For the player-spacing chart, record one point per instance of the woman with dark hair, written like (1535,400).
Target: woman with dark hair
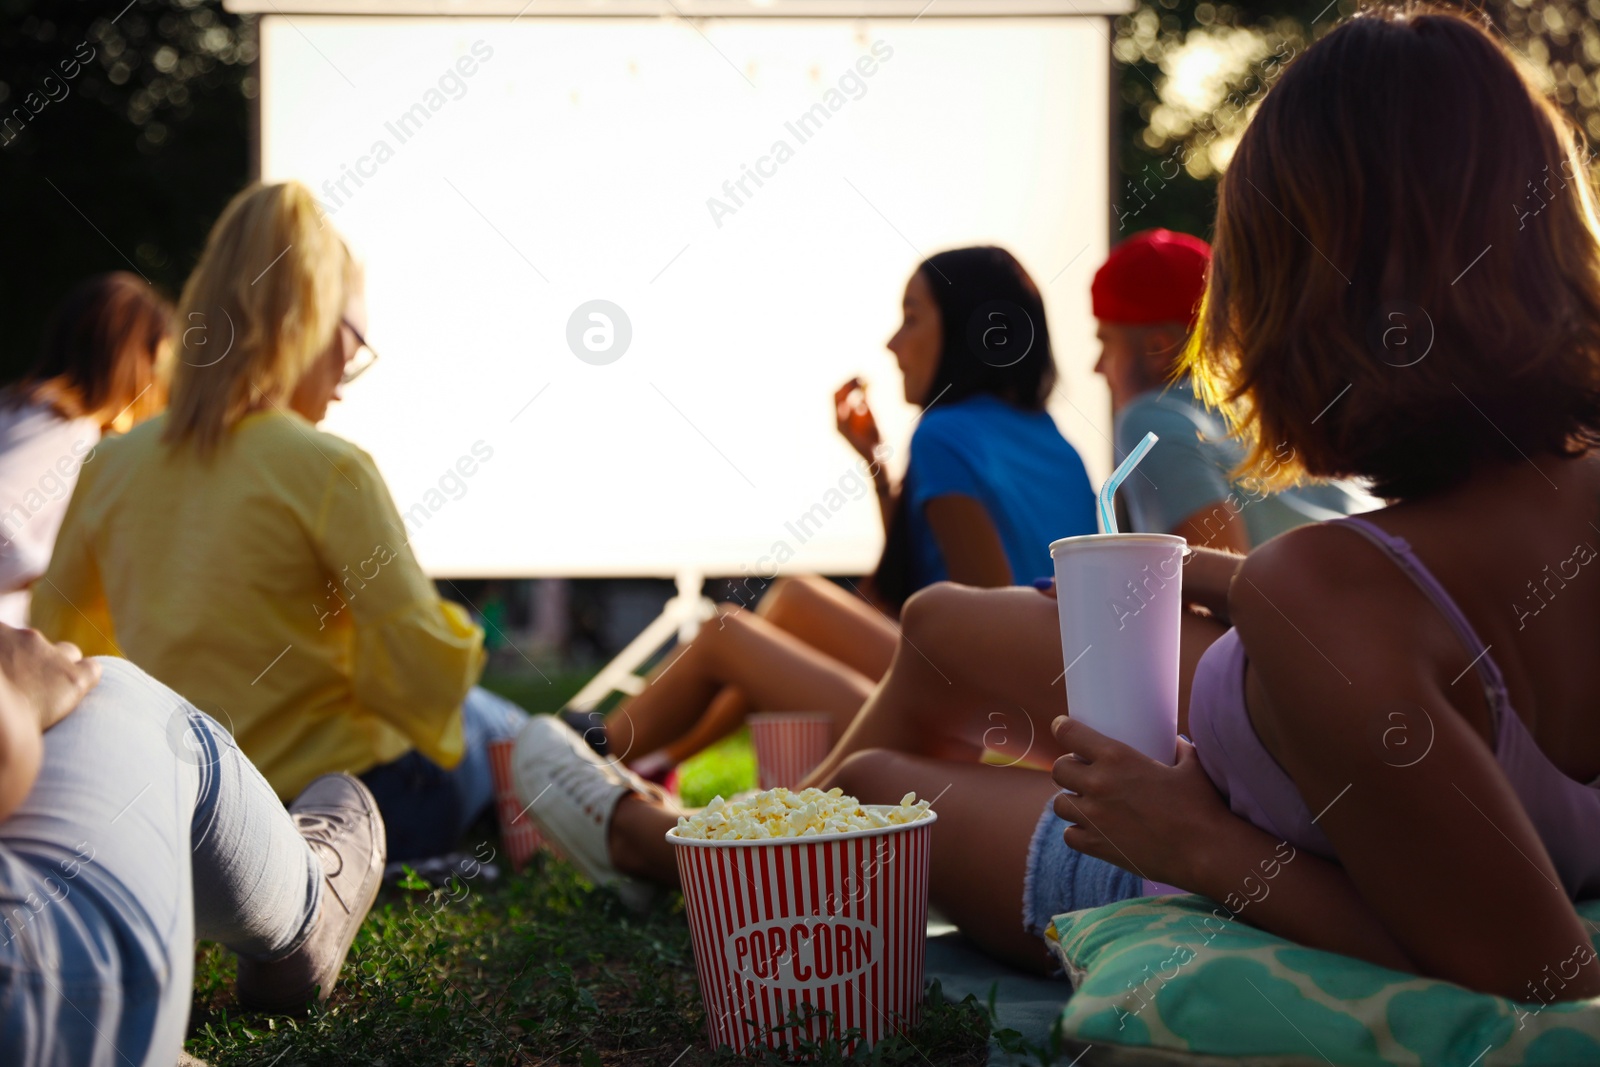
(989,483)
(976,356)
(96,373)
(1405,699)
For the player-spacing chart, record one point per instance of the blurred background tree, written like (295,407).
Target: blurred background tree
(1190,75)
(123,132)
(125,163)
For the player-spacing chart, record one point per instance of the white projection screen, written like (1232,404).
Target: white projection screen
(495,173)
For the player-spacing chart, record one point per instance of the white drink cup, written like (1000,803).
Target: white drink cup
(1120,600)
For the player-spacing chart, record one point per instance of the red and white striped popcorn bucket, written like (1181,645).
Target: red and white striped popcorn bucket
(789,744)
(832,923)
(518,834)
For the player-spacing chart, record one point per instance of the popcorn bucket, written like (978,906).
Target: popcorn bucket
(833,923)
(789,744)
(518,834)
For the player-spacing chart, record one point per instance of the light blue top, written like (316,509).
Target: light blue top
(1015,463)
(1188,472)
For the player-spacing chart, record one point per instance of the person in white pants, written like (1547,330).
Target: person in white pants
(130,824)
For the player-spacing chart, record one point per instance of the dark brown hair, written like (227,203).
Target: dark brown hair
(1405,280)
(99,353)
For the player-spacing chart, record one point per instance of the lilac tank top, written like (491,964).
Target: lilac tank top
(1566,813)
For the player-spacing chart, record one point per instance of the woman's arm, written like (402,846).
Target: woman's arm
(1207,576)
(21,750)
(1216,526)
(40,683)
(1345,652)
(69,599)
(856,425)
(1168,824)
(1292,893)
(968,541)
(414,656)
(888,494)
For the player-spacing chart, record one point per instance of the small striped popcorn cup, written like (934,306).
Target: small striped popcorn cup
(518,834)
(789,744)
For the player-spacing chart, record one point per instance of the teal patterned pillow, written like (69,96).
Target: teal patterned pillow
(1180,973)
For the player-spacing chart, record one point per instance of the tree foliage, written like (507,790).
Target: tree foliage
(1191,73)
(124,130)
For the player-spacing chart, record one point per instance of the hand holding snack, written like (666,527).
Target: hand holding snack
(854,418)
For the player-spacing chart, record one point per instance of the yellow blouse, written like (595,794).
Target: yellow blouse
(273,586)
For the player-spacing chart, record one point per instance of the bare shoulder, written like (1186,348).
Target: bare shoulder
(1315,565)
(1320,606)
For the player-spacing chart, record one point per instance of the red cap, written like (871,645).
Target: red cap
(1153,276)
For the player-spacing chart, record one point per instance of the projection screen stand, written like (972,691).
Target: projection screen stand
(680,617)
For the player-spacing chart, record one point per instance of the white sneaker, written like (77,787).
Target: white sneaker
(571,792)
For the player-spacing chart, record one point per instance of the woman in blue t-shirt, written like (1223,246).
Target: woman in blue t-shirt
(990,482)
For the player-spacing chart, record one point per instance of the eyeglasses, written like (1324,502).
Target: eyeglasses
(363,359)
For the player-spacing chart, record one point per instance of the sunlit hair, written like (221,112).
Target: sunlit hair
(262,305)
(1405,279)
(100,355)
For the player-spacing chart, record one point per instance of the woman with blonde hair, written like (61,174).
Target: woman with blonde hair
(96,373)
(258,565)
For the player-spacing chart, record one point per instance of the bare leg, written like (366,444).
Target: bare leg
(638,840)
(772,667)
(833,621)
(726,714)
(982,668)
(841,626)
(970,662)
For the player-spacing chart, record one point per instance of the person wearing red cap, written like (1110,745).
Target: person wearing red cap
(1146,300)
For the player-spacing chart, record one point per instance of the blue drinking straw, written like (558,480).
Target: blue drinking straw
(1108,491)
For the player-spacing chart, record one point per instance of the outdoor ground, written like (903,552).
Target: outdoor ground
(533,968)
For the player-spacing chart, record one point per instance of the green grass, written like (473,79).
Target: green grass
(536,968)
(535,692)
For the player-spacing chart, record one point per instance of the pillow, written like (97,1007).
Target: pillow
(1181,973)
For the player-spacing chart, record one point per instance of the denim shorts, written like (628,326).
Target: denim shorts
(1060,879)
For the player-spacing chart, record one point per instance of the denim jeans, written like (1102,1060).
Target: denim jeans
(426,809)
(146,828)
